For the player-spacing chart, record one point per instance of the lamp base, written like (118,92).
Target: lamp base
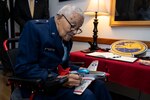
(92,48)
(89,50)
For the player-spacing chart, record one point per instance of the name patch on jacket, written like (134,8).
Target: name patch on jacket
(49,49)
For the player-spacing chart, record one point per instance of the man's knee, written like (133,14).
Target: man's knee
(88,95)
(98,84)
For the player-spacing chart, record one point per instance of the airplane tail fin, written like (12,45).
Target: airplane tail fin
(93,66)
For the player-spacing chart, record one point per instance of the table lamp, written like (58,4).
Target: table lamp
(96,8)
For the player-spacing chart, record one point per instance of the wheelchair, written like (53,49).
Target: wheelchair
(10,53)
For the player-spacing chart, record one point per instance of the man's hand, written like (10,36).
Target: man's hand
(73,80)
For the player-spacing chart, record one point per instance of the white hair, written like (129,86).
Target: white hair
(69,9)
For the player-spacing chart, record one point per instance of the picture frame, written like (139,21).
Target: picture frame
(133,18)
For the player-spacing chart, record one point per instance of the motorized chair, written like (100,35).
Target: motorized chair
(10,53)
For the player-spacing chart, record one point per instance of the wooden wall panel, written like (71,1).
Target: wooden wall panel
(101,40)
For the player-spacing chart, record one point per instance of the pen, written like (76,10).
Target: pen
(116,56)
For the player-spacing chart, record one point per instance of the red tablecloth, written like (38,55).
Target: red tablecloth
(132,75)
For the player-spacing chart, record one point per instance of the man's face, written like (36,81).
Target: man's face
(71,26)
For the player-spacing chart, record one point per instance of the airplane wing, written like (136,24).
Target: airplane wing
(86,81)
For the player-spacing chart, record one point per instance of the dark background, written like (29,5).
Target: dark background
(132,10)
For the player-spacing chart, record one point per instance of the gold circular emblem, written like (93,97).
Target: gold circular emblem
(128,48)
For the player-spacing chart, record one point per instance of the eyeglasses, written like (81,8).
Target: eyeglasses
(72,28)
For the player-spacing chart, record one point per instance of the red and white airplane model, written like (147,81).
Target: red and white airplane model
(89,74)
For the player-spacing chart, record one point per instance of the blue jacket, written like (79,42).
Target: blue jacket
(40,50)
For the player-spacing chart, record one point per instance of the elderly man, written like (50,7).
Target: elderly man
(44,45)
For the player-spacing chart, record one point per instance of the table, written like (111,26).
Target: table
(132,75)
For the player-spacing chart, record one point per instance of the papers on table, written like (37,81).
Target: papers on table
(110,55)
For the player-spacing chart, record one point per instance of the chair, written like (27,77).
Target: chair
(10,53)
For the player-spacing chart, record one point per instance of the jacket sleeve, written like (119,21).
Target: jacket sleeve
(27,65)
(17,14)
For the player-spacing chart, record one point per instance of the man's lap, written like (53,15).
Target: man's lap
(96,91)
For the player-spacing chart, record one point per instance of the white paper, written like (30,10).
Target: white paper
(110,55)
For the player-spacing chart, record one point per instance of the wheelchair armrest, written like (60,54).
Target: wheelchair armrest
(37,82)
(23,81)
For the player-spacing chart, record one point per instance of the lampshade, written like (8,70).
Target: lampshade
(98,6)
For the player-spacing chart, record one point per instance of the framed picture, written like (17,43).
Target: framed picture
(130,13)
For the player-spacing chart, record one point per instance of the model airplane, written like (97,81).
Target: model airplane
(89,74)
